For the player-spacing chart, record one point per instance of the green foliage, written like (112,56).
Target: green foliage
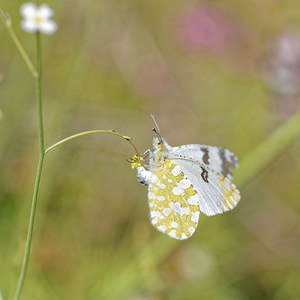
(110,65)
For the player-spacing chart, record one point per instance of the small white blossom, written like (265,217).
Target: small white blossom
(37,18)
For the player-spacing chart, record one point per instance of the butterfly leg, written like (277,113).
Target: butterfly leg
(147,154)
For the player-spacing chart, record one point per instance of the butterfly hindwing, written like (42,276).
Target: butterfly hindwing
(217,193)
(173,202)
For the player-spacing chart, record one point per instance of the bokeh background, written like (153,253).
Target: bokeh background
(223,73)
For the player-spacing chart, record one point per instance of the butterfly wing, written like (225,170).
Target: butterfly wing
(216,158)
(173,202)
(217,193)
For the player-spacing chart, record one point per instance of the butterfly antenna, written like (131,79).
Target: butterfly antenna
(156,125)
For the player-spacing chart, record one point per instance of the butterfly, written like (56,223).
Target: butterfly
(184,181)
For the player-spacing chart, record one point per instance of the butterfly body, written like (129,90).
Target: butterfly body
(184,181)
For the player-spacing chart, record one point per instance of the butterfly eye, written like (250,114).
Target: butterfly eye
(160,144)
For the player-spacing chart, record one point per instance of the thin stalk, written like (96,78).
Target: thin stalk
(39,92)
(127,138)
(7,23)
(266,152)
(38,172)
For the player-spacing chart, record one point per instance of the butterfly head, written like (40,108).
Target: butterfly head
(160,144)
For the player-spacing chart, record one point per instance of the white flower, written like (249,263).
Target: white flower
(37,18)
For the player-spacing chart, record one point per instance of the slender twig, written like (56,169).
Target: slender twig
(38,172)
(4,17)
(127,138)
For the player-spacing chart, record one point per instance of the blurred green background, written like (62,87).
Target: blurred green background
(212,73)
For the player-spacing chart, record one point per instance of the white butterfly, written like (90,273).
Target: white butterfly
(184,181)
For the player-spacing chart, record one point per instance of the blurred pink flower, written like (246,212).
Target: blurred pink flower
(283,66)
(282,71)
(204,27)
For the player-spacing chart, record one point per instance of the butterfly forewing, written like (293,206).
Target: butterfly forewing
(216,158)
(173,201)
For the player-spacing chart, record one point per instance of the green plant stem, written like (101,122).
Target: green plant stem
(38,172)
(127,138)
(8,24)
(39,92)
(266,152)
